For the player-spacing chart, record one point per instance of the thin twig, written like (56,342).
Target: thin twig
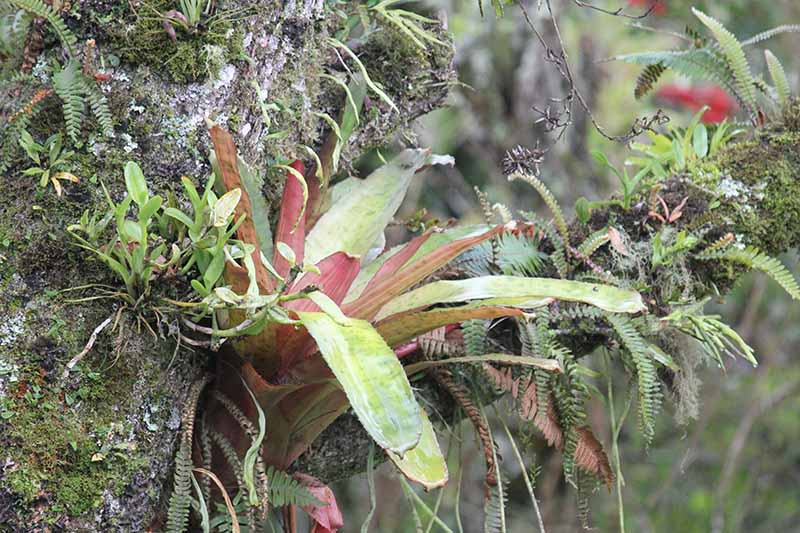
(77,359)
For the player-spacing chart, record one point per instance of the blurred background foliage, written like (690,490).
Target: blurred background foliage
(736,467)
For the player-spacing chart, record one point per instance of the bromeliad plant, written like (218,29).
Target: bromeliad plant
(334,345)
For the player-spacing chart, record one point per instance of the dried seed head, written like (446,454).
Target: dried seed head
(522,160)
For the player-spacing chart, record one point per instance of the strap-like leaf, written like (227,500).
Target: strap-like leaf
(605,297)
(372,378)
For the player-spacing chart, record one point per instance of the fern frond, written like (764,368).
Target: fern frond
(647,78)
(99,106)
(559,254)
(519,255)
(734,53)
(694,63)
(68,85)
(649,389)
(474,333)
(753,258)
(778,78)
(549,199)
(180,499)
(40,9)
(494,509)
(770,33)
(285,490)
(593,242)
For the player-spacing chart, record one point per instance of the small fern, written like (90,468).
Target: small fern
(76,91)
(593,242)
(549,199)
(284,490)
(69,87)
(751,257)
(40,9)
(519,255)
(734,53)
(778,78)
(494,509)
(649,388)
(180,499)
(647,78)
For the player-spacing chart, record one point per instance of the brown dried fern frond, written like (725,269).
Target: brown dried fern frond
(589,452)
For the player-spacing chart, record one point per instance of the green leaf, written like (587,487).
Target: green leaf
(252,183)
(700,141)
(180,216)
(135,183)
(356,221)
(224,206)
(603,296)
(371,377)
(132,231)
(214,271)
(149,208)
(550,365)
(424,463)
(583,209)
(287,253)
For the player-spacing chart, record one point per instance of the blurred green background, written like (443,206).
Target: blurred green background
(734,468)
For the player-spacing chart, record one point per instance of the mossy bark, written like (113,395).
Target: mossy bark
(93,451)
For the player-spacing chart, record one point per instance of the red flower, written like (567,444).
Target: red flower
(721,104)
(659,6)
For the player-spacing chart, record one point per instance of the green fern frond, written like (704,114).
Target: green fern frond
(494,508)
(734,53)
(475,332)
(75,91)
(753,258)
(647,78)
(40,9)
(68,85)
(99,106)
(694,63)
(180,499)
(284,490)
(559,254)
(570,394)
(593,242)
(549,199)
(778,78)
(649,389)
(519,255)
(772,32)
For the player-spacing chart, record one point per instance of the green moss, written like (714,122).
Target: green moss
(760,183)
(194,55)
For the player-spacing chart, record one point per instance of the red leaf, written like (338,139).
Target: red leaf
(327,518)
(396,262)
(225,150)
(292,205)
(371,301)
(337,273)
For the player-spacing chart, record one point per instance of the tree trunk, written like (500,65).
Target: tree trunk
(93,451)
